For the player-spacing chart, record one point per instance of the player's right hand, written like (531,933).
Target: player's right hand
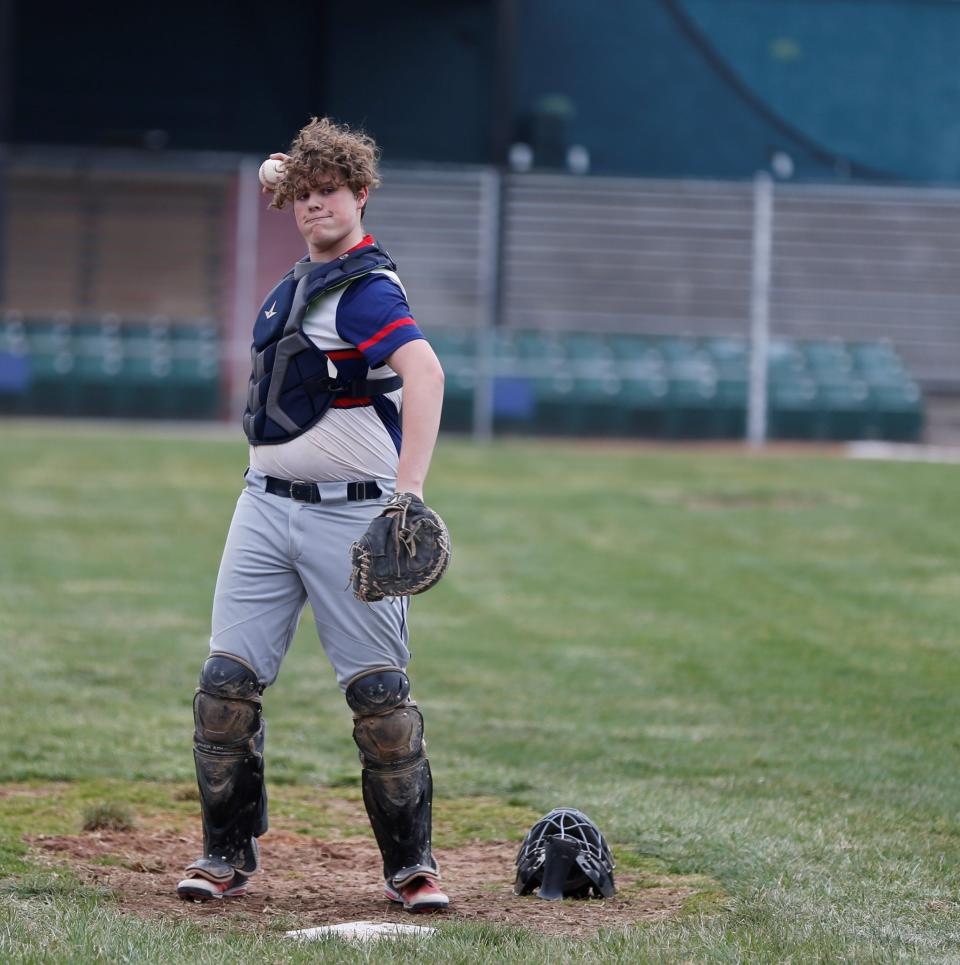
(275,157)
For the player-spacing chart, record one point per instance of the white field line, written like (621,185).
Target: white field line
(903,452)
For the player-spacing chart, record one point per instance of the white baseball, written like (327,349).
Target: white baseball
(271,173)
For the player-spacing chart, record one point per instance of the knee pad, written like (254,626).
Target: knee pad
(392,740)
(226,707)
(377,691)
(387,727)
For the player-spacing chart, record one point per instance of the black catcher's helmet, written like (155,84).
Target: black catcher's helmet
(565,856)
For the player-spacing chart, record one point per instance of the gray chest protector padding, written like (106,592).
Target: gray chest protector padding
(397,784)
(228,751)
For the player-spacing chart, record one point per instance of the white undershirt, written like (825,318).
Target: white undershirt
(346,444)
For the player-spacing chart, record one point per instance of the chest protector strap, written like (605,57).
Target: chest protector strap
(292,345)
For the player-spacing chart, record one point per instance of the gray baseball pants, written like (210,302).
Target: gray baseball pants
(281,553)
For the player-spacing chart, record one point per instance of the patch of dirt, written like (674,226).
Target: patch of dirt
(307,882)
(31,790)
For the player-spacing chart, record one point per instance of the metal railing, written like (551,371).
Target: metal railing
(480,250)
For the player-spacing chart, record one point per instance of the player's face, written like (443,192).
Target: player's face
(328,216)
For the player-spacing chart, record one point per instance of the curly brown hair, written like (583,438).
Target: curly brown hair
(325,150)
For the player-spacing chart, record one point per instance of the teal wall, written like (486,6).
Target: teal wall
(875,80)
(870,87)
(705,88)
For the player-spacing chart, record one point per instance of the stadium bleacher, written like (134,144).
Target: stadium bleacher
(615,385)
(109,367)
(683,388)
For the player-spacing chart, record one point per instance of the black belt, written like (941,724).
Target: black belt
(309,492)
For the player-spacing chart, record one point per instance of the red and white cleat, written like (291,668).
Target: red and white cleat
(418,894)
(203,889)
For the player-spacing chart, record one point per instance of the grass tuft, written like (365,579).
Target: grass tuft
(51,885)
(190,792)
(108,816)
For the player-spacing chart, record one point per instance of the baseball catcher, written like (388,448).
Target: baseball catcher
(343,408)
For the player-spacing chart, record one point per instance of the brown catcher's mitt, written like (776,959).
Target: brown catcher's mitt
(405,550)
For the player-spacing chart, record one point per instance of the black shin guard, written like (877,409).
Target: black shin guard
(397,785)
(233,800)
(398,803)
(228,750)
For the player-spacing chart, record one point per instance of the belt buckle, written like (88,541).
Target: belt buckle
(303,492)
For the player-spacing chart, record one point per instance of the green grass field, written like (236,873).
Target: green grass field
(745,669)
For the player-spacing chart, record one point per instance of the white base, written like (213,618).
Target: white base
(360,931)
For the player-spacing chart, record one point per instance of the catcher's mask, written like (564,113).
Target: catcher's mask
(565,856)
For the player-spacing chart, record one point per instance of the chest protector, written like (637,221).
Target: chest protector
(291,387)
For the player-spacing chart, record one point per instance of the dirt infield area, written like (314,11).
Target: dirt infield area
(306,882)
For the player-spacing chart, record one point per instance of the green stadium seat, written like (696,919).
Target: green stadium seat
(645,400)
(582,347)
(793,409)
(875,358)
(98,356)
(457,350)
(195,371)
(505,343)
(731,407)
(145,379)
(678,348)
(457,415)
(899,411)
(631,348)
(555,401)
(506,354)
(785,361)
(534,346)
(599,407)
(730,356)
(453,343)
(54,389)
(92,384)
(829,360)
(692,411)
(846,410)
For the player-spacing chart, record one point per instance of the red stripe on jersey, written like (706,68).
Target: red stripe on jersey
(347,353)
(384,332)
(351,403)
(362,243)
